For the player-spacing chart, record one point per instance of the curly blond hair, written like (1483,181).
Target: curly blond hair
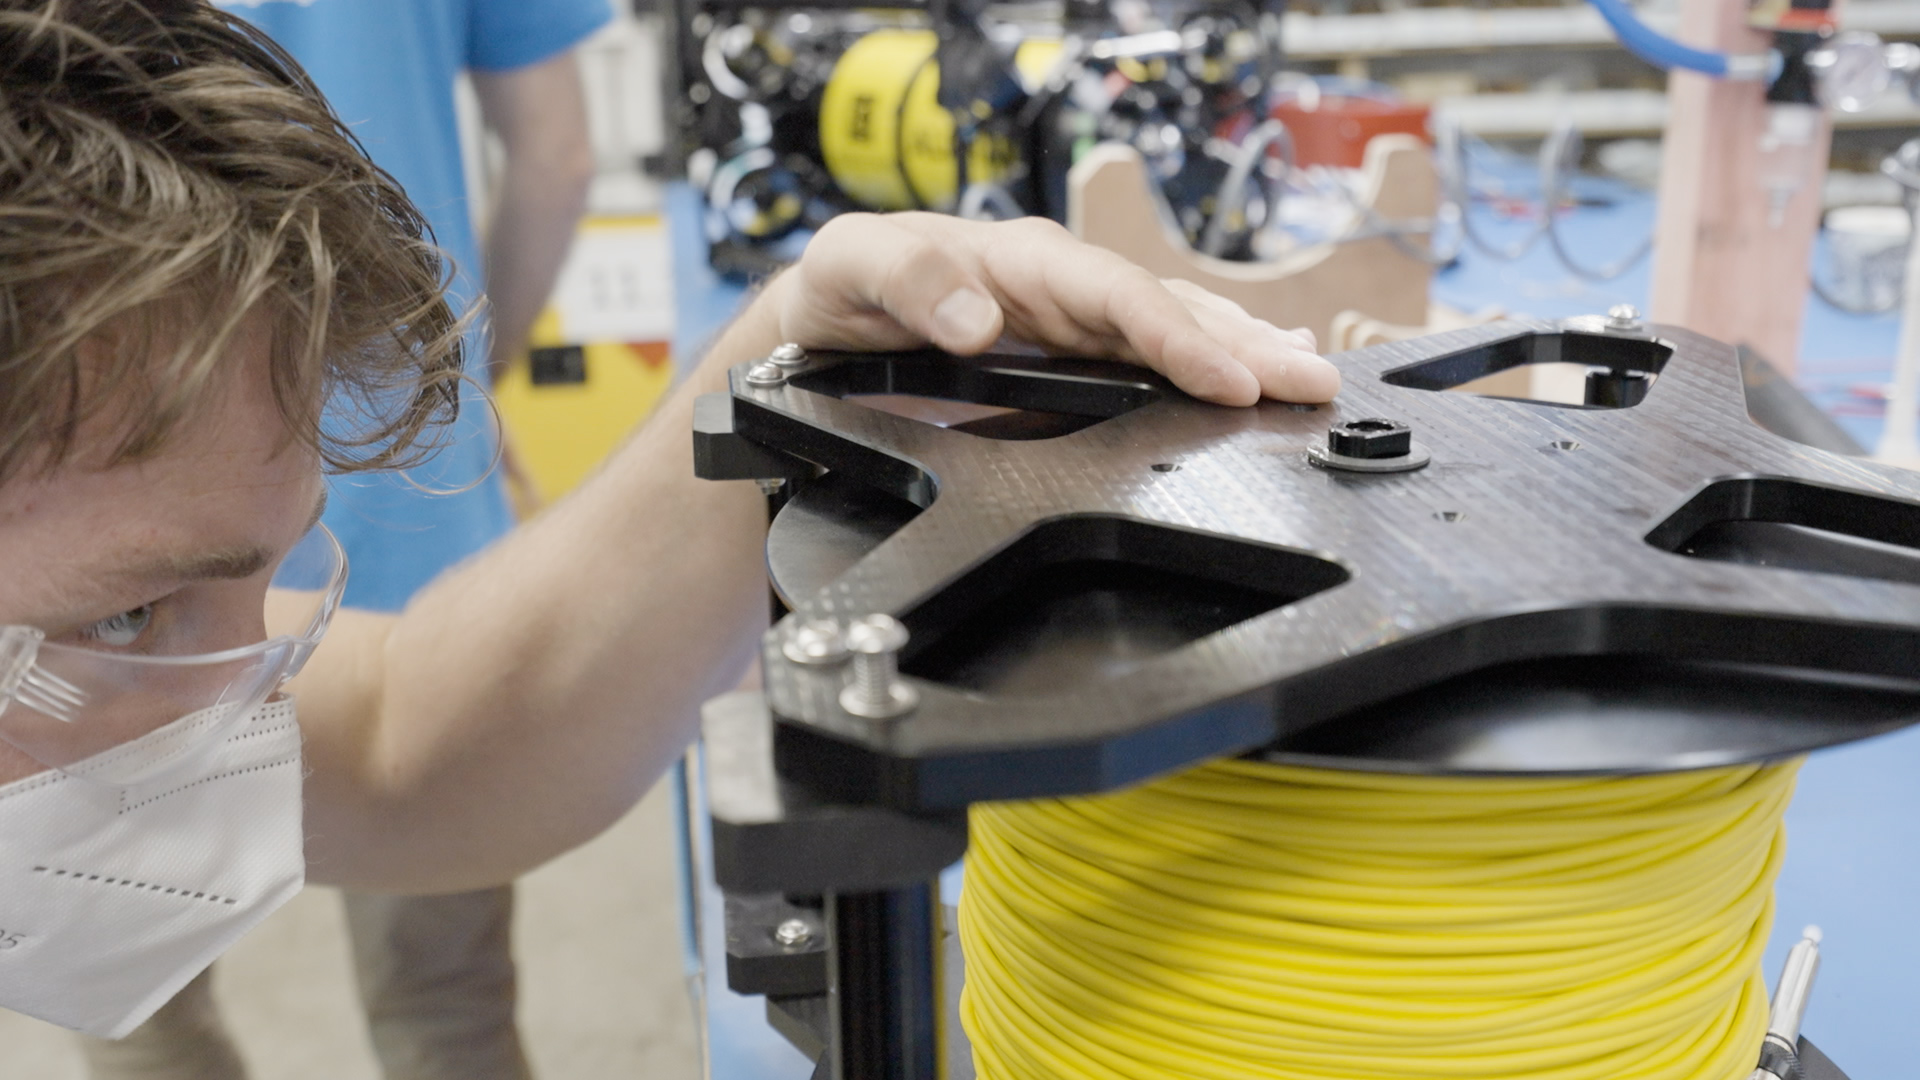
(166,171)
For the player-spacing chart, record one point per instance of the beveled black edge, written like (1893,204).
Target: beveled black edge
(824,848)
(1074,385)
(930,774)
(847,772)
(877,468)
(1398,376)
(1785,500)
(720,452)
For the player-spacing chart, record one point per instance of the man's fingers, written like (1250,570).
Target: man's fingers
(1291,373)
(929,289)
(1062,293)
(1282,361)
(1198,295)
(890,282)
(895,267)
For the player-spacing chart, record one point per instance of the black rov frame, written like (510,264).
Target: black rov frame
(1105,580)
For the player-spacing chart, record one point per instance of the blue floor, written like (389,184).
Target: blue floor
(1853,864)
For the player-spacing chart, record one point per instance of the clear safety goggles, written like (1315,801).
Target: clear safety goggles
(65,705)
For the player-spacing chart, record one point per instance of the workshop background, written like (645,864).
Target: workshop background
(1433,166)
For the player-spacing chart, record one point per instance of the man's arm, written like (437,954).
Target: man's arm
(528,697)
(540,115)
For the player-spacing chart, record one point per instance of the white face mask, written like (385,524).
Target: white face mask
(113,898)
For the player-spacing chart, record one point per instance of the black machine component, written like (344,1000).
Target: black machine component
(1143,582)
(748,80)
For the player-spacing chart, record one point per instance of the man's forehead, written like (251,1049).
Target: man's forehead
(189,560)
(88,561)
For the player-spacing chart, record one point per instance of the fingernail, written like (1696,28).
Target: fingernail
(965,316)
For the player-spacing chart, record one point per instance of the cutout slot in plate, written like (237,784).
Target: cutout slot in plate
(1793,525)
(1086,598)
(993,397)
(1605,714)
(1569,369)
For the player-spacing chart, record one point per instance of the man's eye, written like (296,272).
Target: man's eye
(121,630)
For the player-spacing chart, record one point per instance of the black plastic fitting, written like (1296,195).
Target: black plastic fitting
(1371,437)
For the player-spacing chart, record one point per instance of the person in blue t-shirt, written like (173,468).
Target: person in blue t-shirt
(436,974)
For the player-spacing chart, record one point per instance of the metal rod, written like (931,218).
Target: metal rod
(884,978)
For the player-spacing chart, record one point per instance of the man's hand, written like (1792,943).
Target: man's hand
(528,697)
(906,280)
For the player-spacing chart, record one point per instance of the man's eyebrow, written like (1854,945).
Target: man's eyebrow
(228,564)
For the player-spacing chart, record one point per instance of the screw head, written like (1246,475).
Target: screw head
(896,699)
(1370,438)
(873,635)
(816,643)
(792,933)
(1624,317)
(788,355)
(876,692)
(766,375)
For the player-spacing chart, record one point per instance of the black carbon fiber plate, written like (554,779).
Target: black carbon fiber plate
(1536,555)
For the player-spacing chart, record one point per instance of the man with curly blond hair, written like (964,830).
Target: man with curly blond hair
(436,976)
(195,257)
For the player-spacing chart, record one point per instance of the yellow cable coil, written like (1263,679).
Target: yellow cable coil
(1246,920)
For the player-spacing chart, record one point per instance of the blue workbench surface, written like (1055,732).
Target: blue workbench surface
(1853,861)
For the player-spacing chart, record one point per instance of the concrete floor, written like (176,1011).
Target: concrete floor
(602,993)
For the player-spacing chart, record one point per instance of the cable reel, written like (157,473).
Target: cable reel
(1638,597)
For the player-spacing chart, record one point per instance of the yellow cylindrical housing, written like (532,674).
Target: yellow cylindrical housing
(886,140)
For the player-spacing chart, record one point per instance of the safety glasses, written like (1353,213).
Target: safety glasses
(120,718)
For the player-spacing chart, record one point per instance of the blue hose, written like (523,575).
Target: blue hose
(1655,48)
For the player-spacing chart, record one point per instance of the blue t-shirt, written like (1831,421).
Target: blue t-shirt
(388,67)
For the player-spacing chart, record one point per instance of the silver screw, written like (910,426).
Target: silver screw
(816,643)
(788,356)
(792,933)
(766,374)
(1623,317)
(876,691)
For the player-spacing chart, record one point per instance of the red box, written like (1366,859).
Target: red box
(1337,129)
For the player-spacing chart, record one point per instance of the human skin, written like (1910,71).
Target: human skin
(528,697)
(540,114)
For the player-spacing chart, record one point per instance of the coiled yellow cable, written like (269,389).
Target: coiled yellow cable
(1247,921)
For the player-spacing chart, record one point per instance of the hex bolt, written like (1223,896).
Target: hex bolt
(766,375)
(788,356)
(1370,438)
(792,933)
(1624,317)
(1616,388)
(876,691)
(816,643)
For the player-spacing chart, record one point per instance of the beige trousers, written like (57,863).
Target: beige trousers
(436,979)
